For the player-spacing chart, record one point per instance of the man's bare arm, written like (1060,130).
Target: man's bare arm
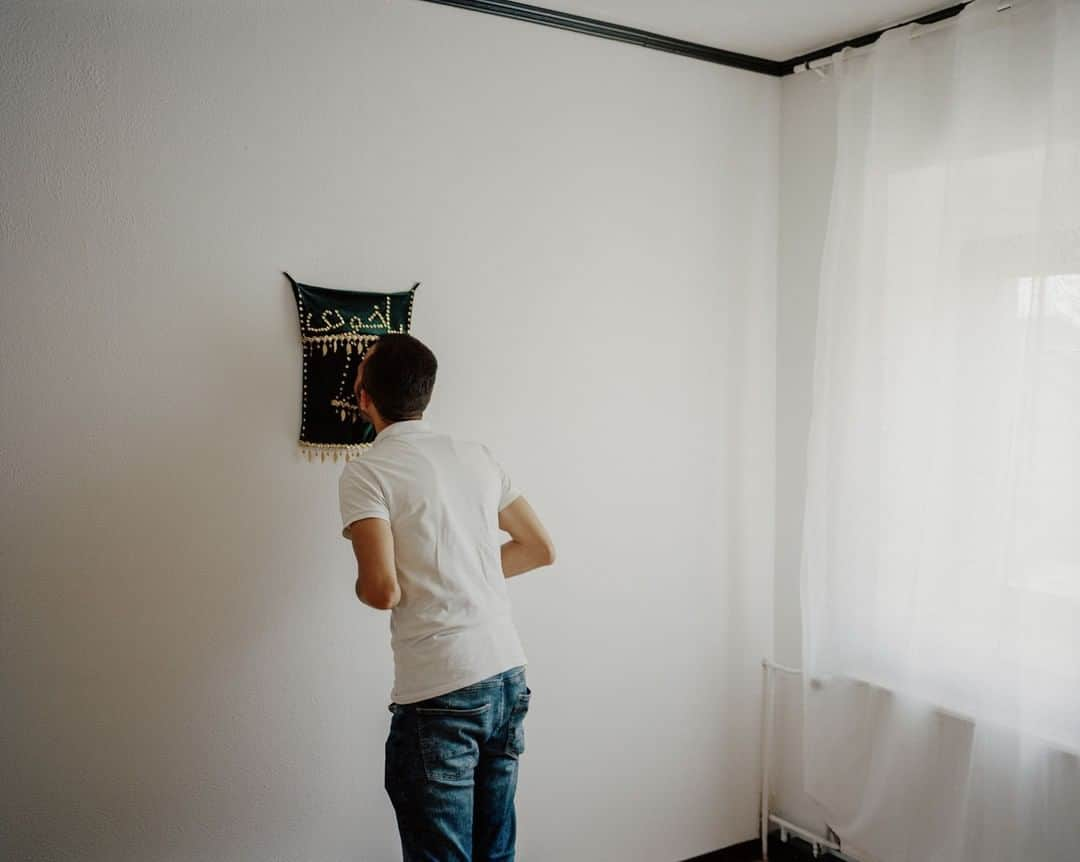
(530,546)
(376,576)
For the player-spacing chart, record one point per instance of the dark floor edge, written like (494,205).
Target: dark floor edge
(747,851)
(792,850)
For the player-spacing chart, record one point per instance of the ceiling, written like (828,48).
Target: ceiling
(773,29)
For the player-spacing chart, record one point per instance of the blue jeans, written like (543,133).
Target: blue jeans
(451,770)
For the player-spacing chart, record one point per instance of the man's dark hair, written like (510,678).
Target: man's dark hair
(399,375)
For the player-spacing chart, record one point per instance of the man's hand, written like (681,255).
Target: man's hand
(376,576)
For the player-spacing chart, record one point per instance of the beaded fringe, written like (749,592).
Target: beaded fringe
(322,451)
(332,343)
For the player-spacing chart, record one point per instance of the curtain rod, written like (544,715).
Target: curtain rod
(803,61)
(925,29)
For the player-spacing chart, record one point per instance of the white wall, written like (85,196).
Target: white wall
(186,672)
(807,150)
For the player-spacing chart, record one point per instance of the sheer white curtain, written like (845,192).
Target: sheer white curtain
(941,555)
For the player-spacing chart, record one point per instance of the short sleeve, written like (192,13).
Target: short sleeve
(508,491)
(360,496)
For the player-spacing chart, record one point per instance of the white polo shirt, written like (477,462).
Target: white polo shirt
(442,497)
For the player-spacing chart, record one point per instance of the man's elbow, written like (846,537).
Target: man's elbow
(381,600)
(546,553)
(385,602)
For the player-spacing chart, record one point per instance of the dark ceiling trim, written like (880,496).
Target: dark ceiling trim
(618,33)
(658,42)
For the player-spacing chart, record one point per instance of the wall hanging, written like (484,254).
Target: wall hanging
(337,327)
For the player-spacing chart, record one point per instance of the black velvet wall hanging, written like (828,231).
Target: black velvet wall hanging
(337,327)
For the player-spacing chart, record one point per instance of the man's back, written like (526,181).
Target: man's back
(442,498)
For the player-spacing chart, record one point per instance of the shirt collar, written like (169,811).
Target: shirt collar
(406,426)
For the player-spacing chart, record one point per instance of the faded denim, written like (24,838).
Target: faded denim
(452,767)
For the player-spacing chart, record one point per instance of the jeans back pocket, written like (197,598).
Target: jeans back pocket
(450,739)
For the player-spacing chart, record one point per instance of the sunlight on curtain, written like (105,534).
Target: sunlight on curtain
(941,554)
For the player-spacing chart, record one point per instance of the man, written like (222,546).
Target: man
(424,511)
